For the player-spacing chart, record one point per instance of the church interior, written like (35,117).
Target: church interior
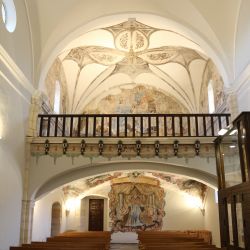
(130,121)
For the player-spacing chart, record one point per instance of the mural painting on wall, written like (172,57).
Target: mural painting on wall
(136,203)
(189,186)
(140,99)
(92,182)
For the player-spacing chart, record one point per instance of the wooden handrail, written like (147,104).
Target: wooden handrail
(131,125)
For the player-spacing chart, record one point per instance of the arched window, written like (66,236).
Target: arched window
(210,93)
(8,12)
(57,97)
(3,9)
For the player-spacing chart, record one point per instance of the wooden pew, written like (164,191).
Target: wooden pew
(173,240)
(72,241)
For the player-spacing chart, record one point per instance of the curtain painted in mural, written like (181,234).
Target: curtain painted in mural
(136,206)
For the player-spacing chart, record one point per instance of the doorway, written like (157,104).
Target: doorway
(55,219)
(96,211)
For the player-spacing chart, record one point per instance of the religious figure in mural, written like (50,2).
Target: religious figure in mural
(136,206)
(134,214)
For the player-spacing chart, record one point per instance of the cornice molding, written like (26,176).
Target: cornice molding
(241,82)
(15,71)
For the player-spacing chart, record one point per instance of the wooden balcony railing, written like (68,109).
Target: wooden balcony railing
(132,125)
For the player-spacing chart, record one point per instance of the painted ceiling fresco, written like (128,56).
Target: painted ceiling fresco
(174,182)
(132,56)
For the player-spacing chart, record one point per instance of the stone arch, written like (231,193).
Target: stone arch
(87,171)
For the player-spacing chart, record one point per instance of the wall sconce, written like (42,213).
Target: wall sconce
(195,202)
(83,147)
(100,146)
(65,146)
(70,205)
(197,146)
(46,146)
(119,147)
(176,147)
(157,148)
(138,147)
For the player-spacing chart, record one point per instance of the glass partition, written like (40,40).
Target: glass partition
(230,224)
(239,219)
(242,136)
(231,158)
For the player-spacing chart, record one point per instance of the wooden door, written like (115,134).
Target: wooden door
(96,207)
(55,219)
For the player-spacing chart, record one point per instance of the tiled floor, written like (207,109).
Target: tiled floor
(124,247)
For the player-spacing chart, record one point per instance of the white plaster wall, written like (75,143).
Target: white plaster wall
(212,217)
(13,117)
(16,73)
(42,216)
(180,215)
(18,44)
(242,52)
(243,96)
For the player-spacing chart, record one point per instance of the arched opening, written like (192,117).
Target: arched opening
(56,214)
(8,11)
(168,201)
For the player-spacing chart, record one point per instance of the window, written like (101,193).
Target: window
(57,97)
(210,93)
(8,12)
(3,13)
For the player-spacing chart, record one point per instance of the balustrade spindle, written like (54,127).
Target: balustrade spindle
(63,127)
(141,126)
(157,126)
(196,126)
(71,126)
(48,128)
(220,126)
(165,126)
(87,126)
(173,126)
(118,126)
(79,126)
(212,125)
(189,126)
(110,126)
(126,126)
(56,125)
(134,125)
(181,126)
(204,126)
(41,127)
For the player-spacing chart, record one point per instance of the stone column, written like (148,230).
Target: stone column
(232,105)
(27,202)
(35,109)
(26,221)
